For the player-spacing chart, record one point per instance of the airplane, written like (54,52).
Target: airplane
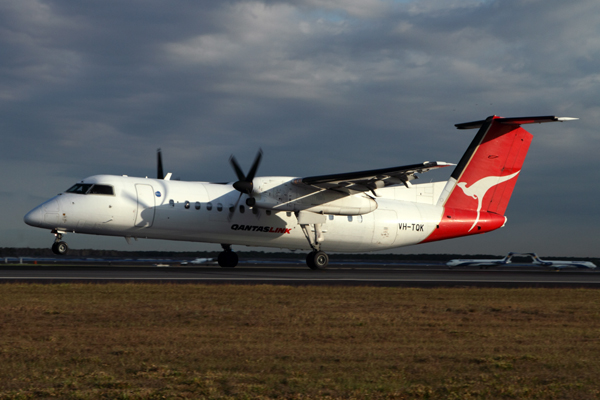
(507,261)
(348,212)
(198,261)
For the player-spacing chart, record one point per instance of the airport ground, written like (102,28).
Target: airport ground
(139,341)
(276,329)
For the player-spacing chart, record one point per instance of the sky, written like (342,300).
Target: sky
(321,86)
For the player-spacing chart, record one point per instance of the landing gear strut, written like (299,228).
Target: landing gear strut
(59,247)
(227,258)
(316,259)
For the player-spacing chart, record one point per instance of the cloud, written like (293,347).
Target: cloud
(97,87)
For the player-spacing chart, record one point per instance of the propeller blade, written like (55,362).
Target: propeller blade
(255,165)
(237,169)
(159,174)
(232,211)
(256,212)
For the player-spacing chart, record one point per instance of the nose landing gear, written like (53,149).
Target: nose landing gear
(59,247)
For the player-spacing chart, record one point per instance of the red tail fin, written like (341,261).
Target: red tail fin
(485,177)
(477,194)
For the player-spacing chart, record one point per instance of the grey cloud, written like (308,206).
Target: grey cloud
(90,88)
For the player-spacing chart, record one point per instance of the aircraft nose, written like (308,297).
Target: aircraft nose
(34,217)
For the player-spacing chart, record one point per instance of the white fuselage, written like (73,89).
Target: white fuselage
(200,212)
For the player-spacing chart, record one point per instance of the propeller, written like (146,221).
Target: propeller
(244,183)
(159,173)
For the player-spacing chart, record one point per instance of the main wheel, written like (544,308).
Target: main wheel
(228,259)
(60,248)
(317,260)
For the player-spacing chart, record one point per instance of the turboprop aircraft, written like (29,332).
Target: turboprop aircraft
(349,212)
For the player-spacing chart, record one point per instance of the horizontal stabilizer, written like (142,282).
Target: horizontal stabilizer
(515,121)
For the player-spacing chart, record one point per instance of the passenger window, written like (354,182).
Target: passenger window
(219,207)
(187,205)
(350,218)
(197,205)
(209,206)
(172,203)
(331,217)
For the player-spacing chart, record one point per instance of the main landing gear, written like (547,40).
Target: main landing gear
(227,258)
(316,259)
(59,247)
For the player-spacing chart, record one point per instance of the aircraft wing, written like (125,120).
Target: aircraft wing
(363,181)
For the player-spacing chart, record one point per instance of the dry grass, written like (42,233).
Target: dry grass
(169,341)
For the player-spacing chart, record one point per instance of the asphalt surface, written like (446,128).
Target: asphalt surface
(349,274)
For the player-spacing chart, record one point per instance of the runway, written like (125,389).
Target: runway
(344,274)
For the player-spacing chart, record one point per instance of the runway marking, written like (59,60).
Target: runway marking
(302,279)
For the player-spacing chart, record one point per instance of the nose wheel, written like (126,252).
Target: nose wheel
(59,247)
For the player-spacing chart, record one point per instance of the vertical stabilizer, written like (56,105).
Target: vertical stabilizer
(485,177)
(477,194)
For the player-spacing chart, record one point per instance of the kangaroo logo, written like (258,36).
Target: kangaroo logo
(479,189)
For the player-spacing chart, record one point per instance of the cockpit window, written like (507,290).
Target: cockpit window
(101,189)
(88,188)
(80,188)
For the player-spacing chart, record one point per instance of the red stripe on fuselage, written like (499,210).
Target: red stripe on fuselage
(456,223)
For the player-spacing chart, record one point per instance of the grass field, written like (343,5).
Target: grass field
(133,341)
